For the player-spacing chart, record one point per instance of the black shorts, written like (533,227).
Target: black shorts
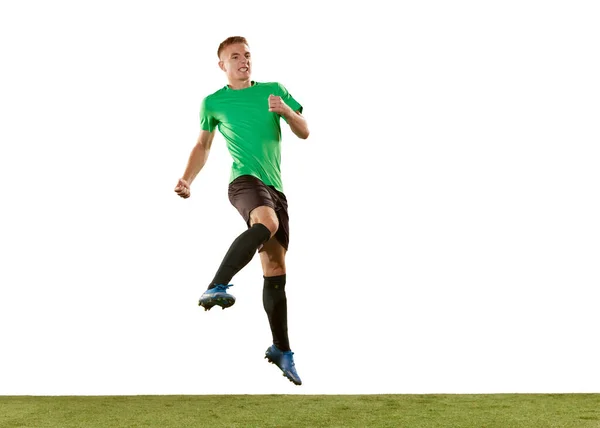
(248,192)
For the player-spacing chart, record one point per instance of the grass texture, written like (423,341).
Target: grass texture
(411,411)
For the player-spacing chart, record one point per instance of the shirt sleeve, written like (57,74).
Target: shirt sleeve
(207,121)
(288,99)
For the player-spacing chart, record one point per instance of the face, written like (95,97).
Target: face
(235,62)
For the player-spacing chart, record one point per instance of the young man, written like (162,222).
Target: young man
(247,113)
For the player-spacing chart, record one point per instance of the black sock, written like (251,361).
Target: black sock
(240,253)
(275,304)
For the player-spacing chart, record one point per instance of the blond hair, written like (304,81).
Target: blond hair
(230,41)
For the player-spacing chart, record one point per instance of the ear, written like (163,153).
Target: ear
(222,65)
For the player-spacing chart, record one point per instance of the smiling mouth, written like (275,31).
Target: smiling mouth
(244,69)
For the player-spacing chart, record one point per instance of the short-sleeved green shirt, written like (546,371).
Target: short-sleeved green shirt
(252,132)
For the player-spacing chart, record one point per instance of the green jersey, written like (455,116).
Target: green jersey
(252,132)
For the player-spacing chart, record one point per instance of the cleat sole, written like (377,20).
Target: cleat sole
(208,304)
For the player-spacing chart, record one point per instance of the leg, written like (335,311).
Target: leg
(239,255)
(250,197)
(272,258)
(274,300)
(263,225)
(253,200)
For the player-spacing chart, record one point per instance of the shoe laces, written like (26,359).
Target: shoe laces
(222,287)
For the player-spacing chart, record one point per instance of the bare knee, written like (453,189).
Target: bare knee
(266,216)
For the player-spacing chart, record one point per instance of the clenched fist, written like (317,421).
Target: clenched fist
(276,105)
(183,188)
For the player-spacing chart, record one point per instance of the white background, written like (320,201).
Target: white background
(444,210)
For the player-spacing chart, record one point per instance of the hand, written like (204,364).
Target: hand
(276,105)
(183,188)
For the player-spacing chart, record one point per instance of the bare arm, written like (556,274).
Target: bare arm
(297,124)
(296,121)
(198,158)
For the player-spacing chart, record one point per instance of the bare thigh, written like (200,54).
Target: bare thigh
(272,258)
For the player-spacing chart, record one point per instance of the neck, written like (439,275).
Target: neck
(240,84)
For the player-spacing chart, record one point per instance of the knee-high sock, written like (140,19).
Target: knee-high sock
(240,253)
(275,304)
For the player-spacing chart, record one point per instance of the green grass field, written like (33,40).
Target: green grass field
(412,411)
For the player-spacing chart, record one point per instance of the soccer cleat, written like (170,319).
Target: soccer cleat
(285,361)
(217,296)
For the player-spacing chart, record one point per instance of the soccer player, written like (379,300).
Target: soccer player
(248,113)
